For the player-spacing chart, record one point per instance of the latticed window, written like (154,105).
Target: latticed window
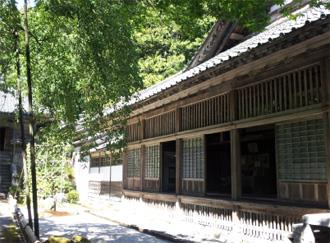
(105,160)
(193,158)
(94,162)
(152,161)
(301,150)
(100,160)
(133,162)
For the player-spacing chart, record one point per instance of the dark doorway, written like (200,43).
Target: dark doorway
(258,161)
(2,138)
(218,179)
(169,164)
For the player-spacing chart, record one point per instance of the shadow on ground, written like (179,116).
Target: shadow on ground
(8,231)
(97,232)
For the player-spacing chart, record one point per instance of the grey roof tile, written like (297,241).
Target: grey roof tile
(9,102)
(273,31)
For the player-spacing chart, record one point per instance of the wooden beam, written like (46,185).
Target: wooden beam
(178,172)
(235,148)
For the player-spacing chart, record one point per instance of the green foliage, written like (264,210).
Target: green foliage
(73,196)
(88,55)
(54,171)
(84,58)
(60,239)
(164,48)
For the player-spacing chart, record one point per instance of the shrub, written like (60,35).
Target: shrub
(73,196)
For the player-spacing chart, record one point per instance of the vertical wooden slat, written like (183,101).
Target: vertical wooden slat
(295,92)
(289,82)
(285,94)
(141,129)
(305,87)
(254,100)
(275,83)
(244,103)
(300,92)
(178,119)
(232,105)
(258,106)
(267,90)
(280,93)
(321,83)
(271,96)
(262,93)
(311,85)
(239,98)
(241,104)
(250,101)
(225,108)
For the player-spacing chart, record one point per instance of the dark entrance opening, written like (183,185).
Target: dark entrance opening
(258,161)
(168,168)
(218,177)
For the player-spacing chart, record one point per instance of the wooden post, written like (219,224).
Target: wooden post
(205,165)
(235,148)
(142,165)
(327,144)
(161,167)
(125,174)
(178,171)
(325,83)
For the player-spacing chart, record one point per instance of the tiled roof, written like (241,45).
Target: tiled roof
(9,103)
(278,28)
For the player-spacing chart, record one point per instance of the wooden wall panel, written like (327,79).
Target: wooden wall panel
(193,187)
(151,185)
(312,192)
(296,89)
(160,125)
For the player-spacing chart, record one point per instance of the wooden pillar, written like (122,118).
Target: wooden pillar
(178,171)
(327,149)
(142,165)
(235,148)
(125,172)
(205,165)
(178,119)
(161,167)
(326,85)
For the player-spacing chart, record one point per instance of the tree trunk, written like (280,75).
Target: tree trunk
(31,122)
(21,122)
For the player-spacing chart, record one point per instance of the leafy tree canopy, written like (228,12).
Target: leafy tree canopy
(91,54)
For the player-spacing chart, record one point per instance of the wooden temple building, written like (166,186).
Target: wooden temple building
(244,130)
(242,134)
